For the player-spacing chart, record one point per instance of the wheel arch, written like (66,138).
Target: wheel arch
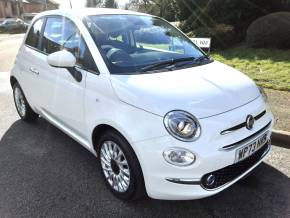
(13,80)
(102,128)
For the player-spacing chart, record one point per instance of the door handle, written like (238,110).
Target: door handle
(33,70)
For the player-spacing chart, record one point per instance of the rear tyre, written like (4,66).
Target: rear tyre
(23,108)
(120,167)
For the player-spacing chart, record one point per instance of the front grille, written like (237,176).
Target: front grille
(248,138)
(229,173)
(241,125)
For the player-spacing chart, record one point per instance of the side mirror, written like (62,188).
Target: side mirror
(62,59)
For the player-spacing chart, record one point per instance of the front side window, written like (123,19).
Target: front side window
(132,44)
(57,31)
(34,34)
(61,33)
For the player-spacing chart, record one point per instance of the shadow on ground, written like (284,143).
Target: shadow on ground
(44,173)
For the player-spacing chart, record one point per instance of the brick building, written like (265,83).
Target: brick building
(10,8)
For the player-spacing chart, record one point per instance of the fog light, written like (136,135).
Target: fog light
(210,180)
(179,157)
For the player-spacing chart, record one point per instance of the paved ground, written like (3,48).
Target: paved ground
(280,105)
(9,45)
(44,173)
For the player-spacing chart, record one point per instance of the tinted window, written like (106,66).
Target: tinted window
(61,33)
(34,34)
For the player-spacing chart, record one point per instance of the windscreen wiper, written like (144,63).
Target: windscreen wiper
(166,63)
(198,61)
(203,58)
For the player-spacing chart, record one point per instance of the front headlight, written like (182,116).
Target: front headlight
(182,125)
(263,93)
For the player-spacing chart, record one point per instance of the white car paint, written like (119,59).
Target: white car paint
(194,89)
(135,105)
(61,59)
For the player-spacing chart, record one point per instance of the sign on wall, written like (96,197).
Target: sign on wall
(202,42)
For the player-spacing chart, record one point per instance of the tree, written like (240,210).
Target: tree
(101,3)
(20,8)
(227,20)
(94,3)
(111,4)
(162,8)
(185,8)
(237,13)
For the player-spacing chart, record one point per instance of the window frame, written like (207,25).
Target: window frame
(40,42)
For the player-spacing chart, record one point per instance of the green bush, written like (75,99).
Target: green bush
(222,35)
(272,30)
(237,13)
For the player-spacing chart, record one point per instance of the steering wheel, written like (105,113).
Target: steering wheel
(106,48)
(118,56)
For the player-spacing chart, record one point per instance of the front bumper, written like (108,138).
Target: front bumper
(169,182)
(230,173)
(182,185)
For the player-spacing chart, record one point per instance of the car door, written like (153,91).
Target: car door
(28,61)
(63,93)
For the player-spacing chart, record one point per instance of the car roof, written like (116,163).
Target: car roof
(87,11)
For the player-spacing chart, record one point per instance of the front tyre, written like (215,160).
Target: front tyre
(120,167)
(24,110)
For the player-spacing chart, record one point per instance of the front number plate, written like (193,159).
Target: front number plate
(249,149)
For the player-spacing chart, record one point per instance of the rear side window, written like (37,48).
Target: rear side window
(61,33)
(34,34)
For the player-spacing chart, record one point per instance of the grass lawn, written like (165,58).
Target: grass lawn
(269,68)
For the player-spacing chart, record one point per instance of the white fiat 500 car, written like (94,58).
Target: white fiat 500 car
(163,118)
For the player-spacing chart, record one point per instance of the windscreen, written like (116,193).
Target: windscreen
(132,44)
